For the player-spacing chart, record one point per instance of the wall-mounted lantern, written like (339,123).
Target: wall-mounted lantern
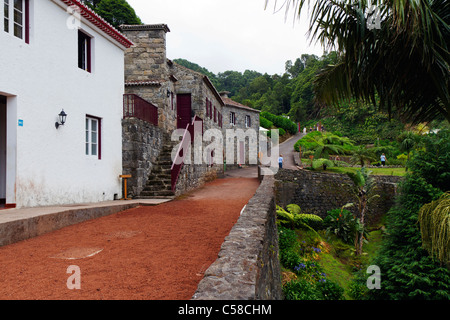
(62,119)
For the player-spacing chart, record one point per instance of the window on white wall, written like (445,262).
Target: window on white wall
(16,18)
(84,51)
(93,137)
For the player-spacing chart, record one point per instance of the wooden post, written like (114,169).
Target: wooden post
(125,177)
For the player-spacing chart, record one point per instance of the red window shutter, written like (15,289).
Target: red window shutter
(27,21)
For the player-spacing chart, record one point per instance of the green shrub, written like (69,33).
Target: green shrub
(330,290)
(343,224)
(408,271)
(267,124)
(287,238)
(280,122)
(290,258)
(300,290)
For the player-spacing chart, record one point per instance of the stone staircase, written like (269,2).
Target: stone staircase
(159,184)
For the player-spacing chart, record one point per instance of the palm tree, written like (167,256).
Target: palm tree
(362,154)
(408,142)
(400,64)
(364,187)
(324,147)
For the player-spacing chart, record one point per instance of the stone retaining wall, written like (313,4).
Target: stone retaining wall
(248,266)
(317,193)
(141,145)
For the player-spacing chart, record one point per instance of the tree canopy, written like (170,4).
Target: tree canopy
(392,53)
(116,12)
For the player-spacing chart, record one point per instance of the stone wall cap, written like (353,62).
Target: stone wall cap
(139,27)
(143,83)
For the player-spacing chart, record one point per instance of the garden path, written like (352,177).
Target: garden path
(153,253)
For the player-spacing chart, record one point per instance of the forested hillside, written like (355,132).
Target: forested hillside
(290,94)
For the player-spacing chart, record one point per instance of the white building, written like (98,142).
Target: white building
(52,61)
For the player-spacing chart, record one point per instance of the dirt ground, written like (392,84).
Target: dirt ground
(152,253)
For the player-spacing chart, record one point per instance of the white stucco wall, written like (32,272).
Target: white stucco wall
(48,166)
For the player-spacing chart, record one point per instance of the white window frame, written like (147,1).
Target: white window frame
(232,118)
(86,51)
(92,146)
(248,121)
(9,23)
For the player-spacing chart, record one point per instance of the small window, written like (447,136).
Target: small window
(16,18)
(215,114)
(232,118)
(248,121)
(84,51)
(93,137)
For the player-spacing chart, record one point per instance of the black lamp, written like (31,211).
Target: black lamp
(62,119)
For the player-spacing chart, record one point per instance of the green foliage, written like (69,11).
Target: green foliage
(287,238)
(322,163)
(361,155)
(300,290)
(300,257)
(295,219)
(405,58)
(116,12)
(433,163)
(265,123)
(280,122)
(324,144)
(408,271)
(434,219)
(343,224)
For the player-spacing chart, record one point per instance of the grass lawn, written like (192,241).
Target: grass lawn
(375,171)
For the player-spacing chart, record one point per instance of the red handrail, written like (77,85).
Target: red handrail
(136,107)
(178,162)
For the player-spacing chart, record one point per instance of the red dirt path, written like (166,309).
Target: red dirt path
(154,253)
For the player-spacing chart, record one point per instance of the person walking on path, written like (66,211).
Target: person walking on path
(383,160)
(280,161)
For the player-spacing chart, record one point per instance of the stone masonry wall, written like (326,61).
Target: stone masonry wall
(141,145)
(317,193)
(248,266)
(147,70)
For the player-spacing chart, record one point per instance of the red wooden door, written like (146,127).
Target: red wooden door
(183,110)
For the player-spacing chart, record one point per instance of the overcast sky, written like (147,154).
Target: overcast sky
(223,35)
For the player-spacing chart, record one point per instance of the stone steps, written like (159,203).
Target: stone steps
(159,184)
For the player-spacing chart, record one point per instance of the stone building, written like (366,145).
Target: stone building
(180,96)
(246,142)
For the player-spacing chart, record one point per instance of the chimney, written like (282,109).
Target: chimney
(224,94)
(146,60)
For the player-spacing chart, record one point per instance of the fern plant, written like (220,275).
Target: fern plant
(294,218)
(434,220)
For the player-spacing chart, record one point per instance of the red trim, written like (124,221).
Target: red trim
(10,206)
(99,22)
(89,55)
(27,21)
(99,134)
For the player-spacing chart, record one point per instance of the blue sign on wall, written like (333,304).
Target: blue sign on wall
(20,123)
